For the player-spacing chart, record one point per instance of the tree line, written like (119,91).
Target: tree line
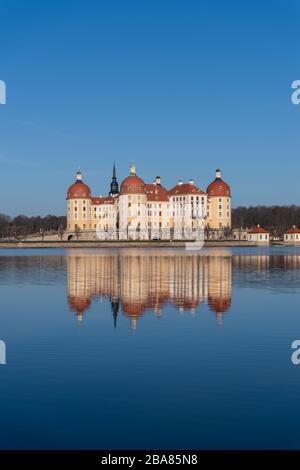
(276,219)
(22,226)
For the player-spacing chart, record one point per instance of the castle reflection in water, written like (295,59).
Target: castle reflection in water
(138,281)
(141,281)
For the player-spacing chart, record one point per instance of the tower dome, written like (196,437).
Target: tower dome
(218,187)
(133,184)
(79,190)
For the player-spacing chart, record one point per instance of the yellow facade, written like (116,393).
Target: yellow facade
(144,211)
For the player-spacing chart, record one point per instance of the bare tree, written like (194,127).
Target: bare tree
(61,231)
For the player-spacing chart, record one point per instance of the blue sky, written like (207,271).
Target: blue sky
(180,87)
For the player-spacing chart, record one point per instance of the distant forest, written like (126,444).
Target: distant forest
(22,225)
(274,218)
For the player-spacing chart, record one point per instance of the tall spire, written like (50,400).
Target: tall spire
(115,309)
(114,186)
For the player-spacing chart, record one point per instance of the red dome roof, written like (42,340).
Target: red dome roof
(132,184)
(79,304)
(133,308)
(219,304)
(78,190)
(218,187)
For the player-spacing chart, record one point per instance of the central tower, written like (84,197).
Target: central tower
(114,185)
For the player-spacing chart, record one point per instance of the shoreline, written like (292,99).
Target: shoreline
(127,244)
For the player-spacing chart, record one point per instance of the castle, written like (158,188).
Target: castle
(147,211)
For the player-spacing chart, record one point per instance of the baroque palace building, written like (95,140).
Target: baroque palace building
(146,211)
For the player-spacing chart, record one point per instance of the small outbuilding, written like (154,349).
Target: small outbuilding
(292,236)
(259,235)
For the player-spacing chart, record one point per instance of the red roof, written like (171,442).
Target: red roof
(293,230)
(184,189)
(218,188)
(78,190)
(257,229)
(79,304)
(132,185)
(133,309)
(219,304)
(103,200)
(156,192)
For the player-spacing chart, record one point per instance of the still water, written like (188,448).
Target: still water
(150,349)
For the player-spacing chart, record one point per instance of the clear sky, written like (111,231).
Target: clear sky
(180,87)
